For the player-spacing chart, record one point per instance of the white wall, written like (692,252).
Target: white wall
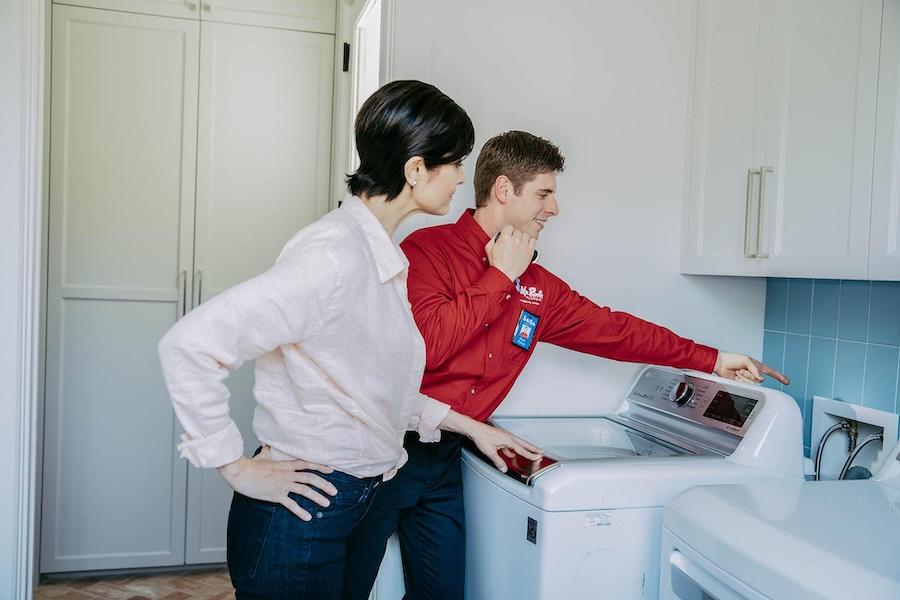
(11,252)
(608,81)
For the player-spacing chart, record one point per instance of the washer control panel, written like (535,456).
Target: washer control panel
(709,403)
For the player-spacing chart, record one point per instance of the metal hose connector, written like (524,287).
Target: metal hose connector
(872,438)
(845,425)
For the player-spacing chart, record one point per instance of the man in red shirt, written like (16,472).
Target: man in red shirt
(482,304)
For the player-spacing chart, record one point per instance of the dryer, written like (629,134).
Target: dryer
(785,540)
(585,521)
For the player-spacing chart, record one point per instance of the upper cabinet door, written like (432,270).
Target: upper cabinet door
(817,176)
(884,254)
(185,9)
(263,173)
(728,137)
(122,164)
(302,15)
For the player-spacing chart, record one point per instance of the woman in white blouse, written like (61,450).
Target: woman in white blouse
(339,359)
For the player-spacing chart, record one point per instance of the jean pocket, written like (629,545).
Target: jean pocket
(352,494)
(249,521)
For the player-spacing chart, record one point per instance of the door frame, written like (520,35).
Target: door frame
(33,26)
(347,13)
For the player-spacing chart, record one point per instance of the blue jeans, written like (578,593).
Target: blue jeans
(424,503)
(275,555)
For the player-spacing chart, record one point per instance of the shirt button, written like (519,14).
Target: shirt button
(490,355)
(484,259)
(508,296)
(472,391)
(485,324)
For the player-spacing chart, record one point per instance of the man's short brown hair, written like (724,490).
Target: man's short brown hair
(520,156)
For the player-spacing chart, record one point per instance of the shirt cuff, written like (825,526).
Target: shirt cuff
(704,358)
(494,280)
(427,423)
(219,449)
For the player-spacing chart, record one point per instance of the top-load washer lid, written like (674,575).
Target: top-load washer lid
(586,438)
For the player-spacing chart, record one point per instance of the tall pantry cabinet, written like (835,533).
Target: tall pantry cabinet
(188,142)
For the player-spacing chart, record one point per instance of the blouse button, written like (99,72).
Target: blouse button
(472,391)
(484,259)
(490,355)
(508,296)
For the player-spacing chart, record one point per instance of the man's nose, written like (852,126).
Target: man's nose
(553,206)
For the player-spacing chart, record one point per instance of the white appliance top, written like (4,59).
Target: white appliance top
(675,429)
(792,539)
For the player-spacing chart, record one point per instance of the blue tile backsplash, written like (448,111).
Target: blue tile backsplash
(838,339)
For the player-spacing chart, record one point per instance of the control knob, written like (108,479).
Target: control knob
(683,393)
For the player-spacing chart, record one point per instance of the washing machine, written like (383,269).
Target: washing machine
(785,540)
(585,521)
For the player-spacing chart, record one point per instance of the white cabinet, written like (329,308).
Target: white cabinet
(728,96)
(782,138)
(122,155)
(884,252)
(263,168)
(820,138)
(304,15)
(183,154)
(185,9)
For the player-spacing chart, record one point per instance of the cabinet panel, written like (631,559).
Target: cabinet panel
(821,138)
(728,107)
(123,134)
(303,15)
(263,173)
(884,254)
(114,493)
(185,9)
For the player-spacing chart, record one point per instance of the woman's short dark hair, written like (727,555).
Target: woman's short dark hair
(400,120)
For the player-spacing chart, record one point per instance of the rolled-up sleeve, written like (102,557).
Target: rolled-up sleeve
(426,420)
(282,306)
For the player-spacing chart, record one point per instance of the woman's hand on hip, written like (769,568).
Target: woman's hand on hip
(262,478)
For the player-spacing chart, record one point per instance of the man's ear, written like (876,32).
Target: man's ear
(503,189)
(414,170)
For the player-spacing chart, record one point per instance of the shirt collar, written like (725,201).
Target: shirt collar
(389,258)
(471,232)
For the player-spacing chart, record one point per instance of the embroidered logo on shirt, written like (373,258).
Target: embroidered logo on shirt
(530,294)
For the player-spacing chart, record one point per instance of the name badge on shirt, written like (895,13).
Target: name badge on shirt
(525,328)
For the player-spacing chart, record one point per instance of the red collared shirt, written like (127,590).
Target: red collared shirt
(468,312)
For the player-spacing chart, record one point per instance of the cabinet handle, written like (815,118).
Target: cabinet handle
(761,211)
(199,287)
(747,252)
(182,294)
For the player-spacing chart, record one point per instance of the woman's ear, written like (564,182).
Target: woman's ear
(414,170)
